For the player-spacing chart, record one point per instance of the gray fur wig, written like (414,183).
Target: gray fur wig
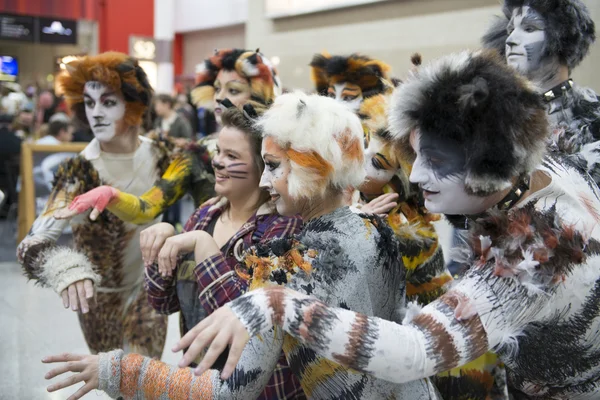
(570,31)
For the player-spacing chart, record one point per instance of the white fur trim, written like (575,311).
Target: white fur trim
(309,123)
(64,266)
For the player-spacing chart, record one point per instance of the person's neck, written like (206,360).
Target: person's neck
(242,208)
(170,114)
(554,77)
(326,205)
(123,143)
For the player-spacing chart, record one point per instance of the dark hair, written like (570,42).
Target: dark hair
(55,127)
(166,99)
(235,118)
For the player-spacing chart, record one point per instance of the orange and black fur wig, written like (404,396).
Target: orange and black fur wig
(119,72)
(365,72)
(251,65)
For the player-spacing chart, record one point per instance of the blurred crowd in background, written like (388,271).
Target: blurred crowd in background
(36,115)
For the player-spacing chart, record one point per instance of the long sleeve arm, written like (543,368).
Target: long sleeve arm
(481,312)
(133,376)
(171,187)
(42,260)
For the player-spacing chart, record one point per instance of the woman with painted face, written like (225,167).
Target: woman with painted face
(110,93)
(218,235)
(312,150)
(234,74)
(532,288)
(545,41)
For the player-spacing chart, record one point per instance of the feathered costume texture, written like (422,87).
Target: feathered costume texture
(569,34)
(252,65)
(456,98)
(531,292)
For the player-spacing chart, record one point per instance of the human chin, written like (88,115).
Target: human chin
(104,133)
(285,205)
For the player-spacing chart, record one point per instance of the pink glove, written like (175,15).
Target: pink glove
(97,199)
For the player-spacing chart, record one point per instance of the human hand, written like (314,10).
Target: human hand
(76,295)
(86,366)
(175,245)
(217,331)
(381,205)
(152,240)
(97,199)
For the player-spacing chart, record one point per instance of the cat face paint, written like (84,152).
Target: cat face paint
(439,170)
(230,85)
(104,110)
(347,93)
(379,166)
(235,172)
(275,177)
(526,43)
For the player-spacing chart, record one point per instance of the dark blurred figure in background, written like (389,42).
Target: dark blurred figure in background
(10,151)
(169,122)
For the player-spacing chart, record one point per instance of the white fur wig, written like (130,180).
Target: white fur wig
(323,139)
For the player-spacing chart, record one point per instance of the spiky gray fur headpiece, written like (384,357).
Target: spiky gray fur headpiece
(476,101)
(570,29)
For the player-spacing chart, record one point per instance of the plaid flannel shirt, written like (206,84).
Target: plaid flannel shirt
(219,284)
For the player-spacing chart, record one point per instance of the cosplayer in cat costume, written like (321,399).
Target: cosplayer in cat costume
(362,82)
(110,93)
(313,152)
(477,132)
(545,40)
(234,74)
(364,85)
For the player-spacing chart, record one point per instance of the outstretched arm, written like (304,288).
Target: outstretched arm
(480,313)
(175,182)
(133,376)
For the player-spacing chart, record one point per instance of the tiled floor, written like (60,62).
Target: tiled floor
(33,324)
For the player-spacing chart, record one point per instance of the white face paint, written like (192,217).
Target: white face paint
(526,41)
(438,173)
(274,178)
(104,110)
(347,93)
(378,168)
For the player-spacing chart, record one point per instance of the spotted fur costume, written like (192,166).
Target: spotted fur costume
(345,259)
(532,293)
(105,251)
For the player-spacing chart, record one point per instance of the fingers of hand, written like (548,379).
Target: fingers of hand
(173,259)
(235,353)
(217,347)
(189,337)
(70,366)
(157,245)
(82,296)
(65,298)
(73,297)
(164,258)
(63,357)
(85,389)
(202,340)
(89,288)
(70,381)
(95,213)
